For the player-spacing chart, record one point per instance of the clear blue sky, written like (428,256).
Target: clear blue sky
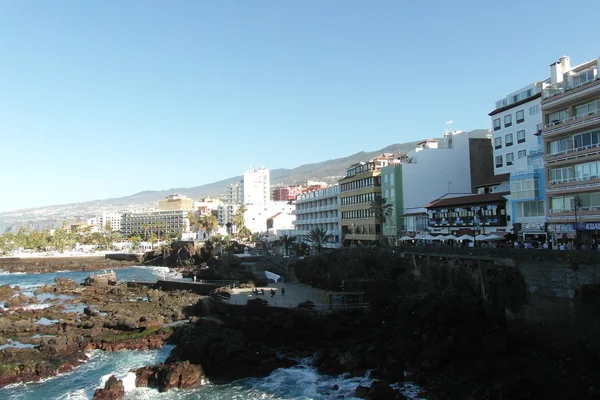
(108,98)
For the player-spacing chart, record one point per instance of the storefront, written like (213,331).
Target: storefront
(534,231)
(561,233)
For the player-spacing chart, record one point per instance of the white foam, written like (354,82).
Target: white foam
(129,381)
(37,306)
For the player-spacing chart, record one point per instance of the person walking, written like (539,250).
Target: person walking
(283,291)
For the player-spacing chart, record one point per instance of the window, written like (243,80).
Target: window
(508,140)
(561,175)
(586,139)
(520,136)
(507,120)
(497,143)
(524,188)
(520,116)
(559,146)
(557,117)
(530,209)
(497,124)
(498,161)
(583,78)
(522,153)
(586,109)
(534,110)
(510,158)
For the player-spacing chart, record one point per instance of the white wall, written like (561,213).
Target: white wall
(437,172)
(257,186)
(256,214)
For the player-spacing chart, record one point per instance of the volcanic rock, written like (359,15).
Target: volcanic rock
(177,375)
(113,390)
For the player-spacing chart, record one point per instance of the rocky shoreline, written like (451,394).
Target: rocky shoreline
(44,265)
(445,339)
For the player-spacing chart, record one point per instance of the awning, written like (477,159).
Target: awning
(465,237)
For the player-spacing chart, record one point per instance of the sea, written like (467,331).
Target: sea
(298,382)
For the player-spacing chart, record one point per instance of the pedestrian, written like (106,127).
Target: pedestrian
(283,291)
(194,278)
(272,293)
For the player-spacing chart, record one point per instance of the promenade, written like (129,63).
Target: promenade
(294,293)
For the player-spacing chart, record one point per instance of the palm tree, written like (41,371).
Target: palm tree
(286,241)
(318,237)
(238,217)
(209,223)
(382,209)
(244,232)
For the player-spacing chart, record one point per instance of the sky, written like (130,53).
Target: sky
(109,98)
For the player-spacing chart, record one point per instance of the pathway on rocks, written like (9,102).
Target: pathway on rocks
(294,293)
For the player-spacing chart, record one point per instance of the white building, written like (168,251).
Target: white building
(257,186)
(207,205)
(516,128)
(99,224)
(280,224)
(256,215)
(457,165)
(318,209)
(225,212)
(158,222)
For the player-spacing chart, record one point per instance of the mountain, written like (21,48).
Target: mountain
(52,216)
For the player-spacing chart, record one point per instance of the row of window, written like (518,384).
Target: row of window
(360,199)
(579,172)
(515,98)
(364,230)
(573,143)
(510,158)
(508,119)
(589,201)
(358,214)
(467,212)
(360,169)
(578,111)
(508,140)
(361,184)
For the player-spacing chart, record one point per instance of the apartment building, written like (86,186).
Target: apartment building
(235,193)
(176,202)
(571,135)
(433,169)
(106,220)
(318,209)
(518,151)
(158,222)
(256,186)
(287,193)
(359,224)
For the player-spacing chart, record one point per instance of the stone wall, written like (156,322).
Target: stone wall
(542,299)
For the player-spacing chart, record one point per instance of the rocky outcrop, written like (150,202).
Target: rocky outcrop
(224,354)
(177,375)
(6,292)
(113,390)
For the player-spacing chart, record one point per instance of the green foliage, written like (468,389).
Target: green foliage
(285,241)
(383,210)
(318,237)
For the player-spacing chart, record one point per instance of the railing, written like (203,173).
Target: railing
(564,210)
(573,150)
(570,126)
(572,187)
(321,307)
(529,170)
(561,87)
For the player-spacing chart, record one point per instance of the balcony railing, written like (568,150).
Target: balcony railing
(558,126)
(571,210)
(561,87)
(524,171)
(572,187)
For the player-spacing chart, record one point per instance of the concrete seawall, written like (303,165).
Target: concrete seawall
(201,288)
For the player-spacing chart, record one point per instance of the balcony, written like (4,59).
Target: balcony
(578,121)
(573,154)
(563,88)
(568,184)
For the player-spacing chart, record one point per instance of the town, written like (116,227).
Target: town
(531,181)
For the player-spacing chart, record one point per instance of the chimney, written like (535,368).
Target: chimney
(556,75)
(565,63)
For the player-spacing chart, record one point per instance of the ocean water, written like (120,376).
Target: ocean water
(301,382)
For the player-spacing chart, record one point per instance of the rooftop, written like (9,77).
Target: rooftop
(467,200)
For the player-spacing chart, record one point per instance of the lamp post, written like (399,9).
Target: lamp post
(353,236)
(576,205)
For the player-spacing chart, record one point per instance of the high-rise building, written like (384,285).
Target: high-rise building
(571,135)
(318,209)
(234,193)
(257,186)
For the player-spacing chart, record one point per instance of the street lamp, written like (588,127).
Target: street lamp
(353,235)
(576,205)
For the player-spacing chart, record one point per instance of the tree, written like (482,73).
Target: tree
(382,209)
(209,223)
(108,227)
(244,232)
(318,237)
(286,241)
(238,217)
(194,221)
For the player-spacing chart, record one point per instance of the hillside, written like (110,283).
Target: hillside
(51,216)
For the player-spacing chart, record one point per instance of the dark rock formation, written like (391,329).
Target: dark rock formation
(177,375)
(224,354)
(113,390)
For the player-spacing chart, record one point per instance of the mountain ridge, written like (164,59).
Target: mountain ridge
(329,171)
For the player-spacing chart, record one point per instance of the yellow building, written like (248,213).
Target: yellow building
(359,224)
(176,202)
